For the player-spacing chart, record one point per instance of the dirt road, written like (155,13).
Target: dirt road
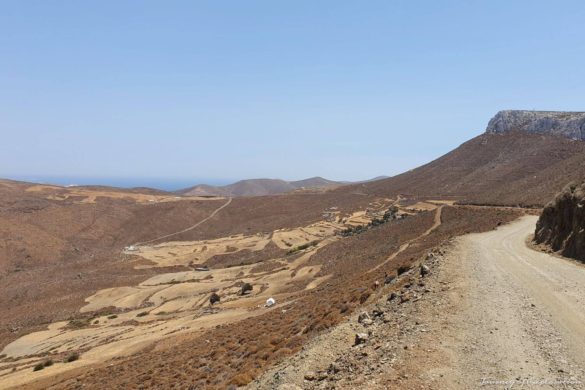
(492,314)
(520,319)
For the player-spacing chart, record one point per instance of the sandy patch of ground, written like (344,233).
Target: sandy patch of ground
(198,252)
(442,202)
(161,306)
(89,196)
(421,206)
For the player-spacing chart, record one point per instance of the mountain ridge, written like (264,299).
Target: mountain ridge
(260,187)
(568,124)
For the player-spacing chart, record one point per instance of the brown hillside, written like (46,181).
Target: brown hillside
(56,249)
(259,187)
(505,169)
(234,354)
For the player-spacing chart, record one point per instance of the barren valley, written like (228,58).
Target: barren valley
(428,279)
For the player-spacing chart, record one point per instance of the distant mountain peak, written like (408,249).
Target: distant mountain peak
(258,187)
(562,123)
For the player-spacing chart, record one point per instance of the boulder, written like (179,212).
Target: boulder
(361,338)
(562,224)
(363,316)
(246,287)
(214,298)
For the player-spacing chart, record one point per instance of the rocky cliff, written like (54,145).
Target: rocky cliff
(567,124)
(562,223)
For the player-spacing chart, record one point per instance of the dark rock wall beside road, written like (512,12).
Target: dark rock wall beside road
(562,223)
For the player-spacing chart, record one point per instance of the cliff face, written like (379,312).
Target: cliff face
(562,223)
(566,124)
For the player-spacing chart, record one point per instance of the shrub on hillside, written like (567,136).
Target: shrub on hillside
(72,357)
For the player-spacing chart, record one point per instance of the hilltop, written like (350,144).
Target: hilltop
(259,187)
(562,123)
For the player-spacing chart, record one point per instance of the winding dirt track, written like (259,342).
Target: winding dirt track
(519,317)
(403,247)
(213,214)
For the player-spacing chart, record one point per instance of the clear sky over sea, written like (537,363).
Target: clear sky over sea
(225,90)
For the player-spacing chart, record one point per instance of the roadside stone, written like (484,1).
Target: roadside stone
(361,338)
(367,322)
(333,369)
(424,270)
(315,376)
(392,296)
(405,298)
(289,386)
(363,317)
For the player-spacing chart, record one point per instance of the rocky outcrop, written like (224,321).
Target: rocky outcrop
(566,124)
(562,223)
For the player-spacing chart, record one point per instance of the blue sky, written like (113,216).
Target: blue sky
(224,90)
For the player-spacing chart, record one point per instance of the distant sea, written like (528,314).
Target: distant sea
(161,184)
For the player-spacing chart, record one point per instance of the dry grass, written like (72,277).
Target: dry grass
(238,352)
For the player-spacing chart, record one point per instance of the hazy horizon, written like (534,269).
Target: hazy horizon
(166,184)
(229,91)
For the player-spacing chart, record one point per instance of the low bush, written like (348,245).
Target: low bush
(42,365)
(402,269)
(245,288)
(302,247)
(79,323)
(39,367)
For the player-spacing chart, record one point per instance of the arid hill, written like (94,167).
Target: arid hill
(523,158)
(259,187)
(76,235)
(513,168)
(122,265)
(562,223)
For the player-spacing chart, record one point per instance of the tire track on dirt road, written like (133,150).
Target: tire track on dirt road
(511,316)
